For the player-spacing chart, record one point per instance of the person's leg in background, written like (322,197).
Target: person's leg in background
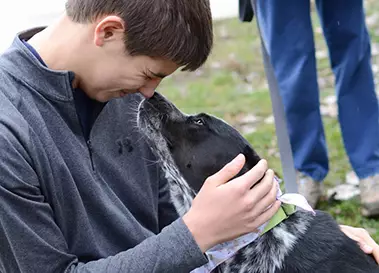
(287,32)
(343,22)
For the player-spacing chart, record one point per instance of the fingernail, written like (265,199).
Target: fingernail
(367,248)
(239,158)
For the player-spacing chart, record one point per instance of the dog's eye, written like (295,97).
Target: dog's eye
(198,121)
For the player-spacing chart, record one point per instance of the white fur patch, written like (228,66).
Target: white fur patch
(268,258)
(180,192)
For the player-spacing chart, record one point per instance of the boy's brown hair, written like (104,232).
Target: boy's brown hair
(177,30)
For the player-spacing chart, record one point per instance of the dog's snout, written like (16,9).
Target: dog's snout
(159,106)
(157,99)
(160,103)
(157,96)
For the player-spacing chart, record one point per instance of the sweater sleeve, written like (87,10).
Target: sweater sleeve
(173,250)
(31,241)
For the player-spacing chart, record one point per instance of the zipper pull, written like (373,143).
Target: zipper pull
(89,144)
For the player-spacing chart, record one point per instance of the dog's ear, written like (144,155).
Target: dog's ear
(252,158)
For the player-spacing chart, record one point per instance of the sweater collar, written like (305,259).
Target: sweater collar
(20,62)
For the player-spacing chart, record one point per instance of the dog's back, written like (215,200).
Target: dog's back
(303,243)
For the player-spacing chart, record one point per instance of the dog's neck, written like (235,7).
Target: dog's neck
(181,193)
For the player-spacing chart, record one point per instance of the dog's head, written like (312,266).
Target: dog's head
(200,145)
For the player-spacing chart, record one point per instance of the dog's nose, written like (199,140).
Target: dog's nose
(157,100)
(160,103)
(156,97)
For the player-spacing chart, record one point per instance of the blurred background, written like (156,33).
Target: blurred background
(232,86)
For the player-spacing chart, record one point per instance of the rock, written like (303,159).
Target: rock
(352,179)
(249,88)
(372,231)
(318,30)
(232,56)
(247,129)
(244,89)
(375,68)
(372,19)
(343,192)
(249,119)
(224,34)
(273,152)
(199,72)
(374,49)
(269,120)
(329,110)
(332,99)
(321,54)
(252,76)
(216,65)
(322,82)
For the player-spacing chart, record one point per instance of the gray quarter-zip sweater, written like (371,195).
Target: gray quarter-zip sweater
(71,205)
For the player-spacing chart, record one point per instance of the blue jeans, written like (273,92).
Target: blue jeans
(287,32)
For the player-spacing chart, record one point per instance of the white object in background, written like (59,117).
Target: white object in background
(18,15)
(222,9)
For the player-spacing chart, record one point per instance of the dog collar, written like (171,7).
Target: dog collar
(282,214)
(224,251)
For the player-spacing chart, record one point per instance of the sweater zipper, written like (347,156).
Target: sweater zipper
(89,145)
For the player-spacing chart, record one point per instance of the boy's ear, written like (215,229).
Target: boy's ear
(109,28)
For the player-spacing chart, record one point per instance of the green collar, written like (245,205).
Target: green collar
(283,213)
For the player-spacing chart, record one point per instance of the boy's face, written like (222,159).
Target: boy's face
(111,72)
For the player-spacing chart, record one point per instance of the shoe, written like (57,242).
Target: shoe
(370,195)
(310,189)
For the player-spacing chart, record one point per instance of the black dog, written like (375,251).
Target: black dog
(190,148)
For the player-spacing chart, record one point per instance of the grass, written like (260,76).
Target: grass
(232,85)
